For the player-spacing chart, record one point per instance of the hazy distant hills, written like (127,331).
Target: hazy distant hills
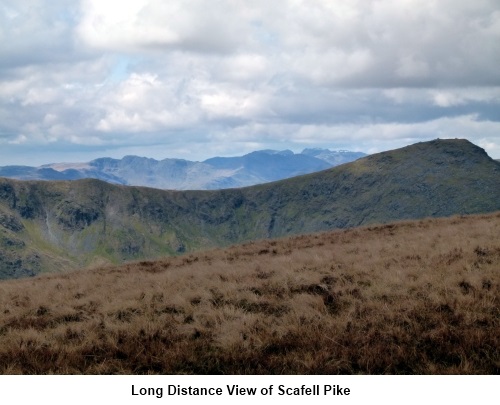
(178,174)
(46,226)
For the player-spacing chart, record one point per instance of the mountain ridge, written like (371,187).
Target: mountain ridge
(215,173)
(56,225)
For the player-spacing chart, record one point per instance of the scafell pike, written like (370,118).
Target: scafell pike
(314,390)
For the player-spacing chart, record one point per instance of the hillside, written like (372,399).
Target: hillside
(47,226)
(179,174)
(414,297)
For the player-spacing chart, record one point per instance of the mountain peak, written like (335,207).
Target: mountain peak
(335,158)
(439,148)
(286,152)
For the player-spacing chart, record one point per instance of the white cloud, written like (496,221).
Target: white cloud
(457,96)
(245,67)
(154,24)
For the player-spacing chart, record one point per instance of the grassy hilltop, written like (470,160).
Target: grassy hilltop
(409,297)
(47,226)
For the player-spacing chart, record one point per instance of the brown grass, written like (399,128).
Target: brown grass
(412,297)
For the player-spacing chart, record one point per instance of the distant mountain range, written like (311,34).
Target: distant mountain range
(50,226)
(178,174)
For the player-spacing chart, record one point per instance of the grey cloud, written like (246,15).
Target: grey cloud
(36,32)
(394,43)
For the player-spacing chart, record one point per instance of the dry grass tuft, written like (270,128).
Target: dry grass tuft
(410,297)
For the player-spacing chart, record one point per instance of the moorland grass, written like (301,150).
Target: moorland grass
(416,297)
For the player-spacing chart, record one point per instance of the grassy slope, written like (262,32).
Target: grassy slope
(410,297)
(74,224)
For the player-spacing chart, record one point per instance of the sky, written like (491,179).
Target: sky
(192,79)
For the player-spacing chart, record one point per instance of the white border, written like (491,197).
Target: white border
(55,390)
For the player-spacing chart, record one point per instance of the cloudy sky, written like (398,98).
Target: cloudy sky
(81,79)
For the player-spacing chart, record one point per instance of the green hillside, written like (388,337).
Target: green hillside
(52,226)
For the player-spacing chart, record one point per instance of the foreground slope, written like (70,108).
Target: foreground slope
(58,225)
(411,297)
